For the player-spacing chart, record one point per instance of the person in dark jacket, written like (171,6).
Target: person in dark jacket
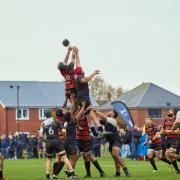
(136,135)
(5,146)
(126,139)
(12,146)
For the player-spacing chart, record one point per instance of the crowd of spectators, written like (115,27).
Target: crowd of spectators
(26,146)
(22,145)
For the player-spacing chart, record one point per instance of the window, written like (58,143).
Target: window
(154,113)
(42,114)
(22,114)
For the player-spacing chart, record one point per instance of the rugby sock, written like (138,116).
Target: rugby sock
(71,173)
(174,163)
(100,128)
(166,160)
(55,167)
(58,168)
(93,130)
(96,164)
(1,174)
(126,171)
(151,160)
(88,168)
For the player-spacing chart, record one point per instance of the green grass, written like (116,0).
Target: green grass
(34,170)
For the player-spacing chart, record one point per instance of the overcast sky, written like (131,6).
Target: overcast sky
(130,41)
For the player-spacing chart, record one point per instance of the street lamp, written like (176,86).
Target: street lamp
(17,100)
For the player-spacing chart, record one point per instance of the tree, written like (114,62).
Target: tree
(103,91)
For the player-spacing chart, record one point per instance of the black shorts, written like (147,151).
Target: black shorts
(56,146)
(69,92)
(114,140)
(85,146)
(155,147)
(70,148)
(87,100)
(172,144)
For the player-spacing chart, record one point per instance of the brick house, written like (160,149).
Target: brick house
(34,98)
(147,99)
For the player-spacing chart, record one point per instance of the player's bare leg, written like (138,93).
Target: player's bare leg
(118,161)
(171,154)
(73,160)
(48,167)
(151,159)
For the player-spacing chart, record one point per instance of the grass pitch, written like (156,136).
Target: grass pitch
(34,169)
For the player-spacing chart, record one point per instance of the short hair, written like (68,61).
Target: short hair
(48,113)
(67,116)
(59,113)
(115,114)
(174,111)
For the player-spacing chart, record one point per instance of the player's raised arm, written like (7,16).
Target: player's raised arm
(80,113)
(101,115)
(88,78)
(67,55)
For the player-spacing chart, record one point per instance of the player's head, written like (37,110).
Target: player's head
(148,121)
(62,67)
(79,71)
(67,116)
(48,113)
(113,114)
(172,113)
(59,113)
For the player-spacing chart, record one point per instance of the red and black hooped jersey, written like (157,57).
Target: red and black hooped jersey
(168,123)
(69,78)
(151,131)
(83,132)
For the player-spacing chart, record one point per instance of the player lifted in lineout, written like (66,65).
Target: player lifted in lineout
(67,71)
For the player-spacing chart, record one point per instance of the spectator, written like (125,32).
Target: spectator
(96,147)
(143,148)
(40,147)
(126,139)
(136,135)
(35,146)
(12,147)
(5,146)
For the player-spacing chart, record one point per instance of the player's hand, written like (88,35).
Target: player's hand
(96,72)
(70,48)
(94,109)
(83,104)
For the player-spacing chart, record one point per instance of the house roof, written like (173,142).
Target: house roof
(33,94)
(147,95)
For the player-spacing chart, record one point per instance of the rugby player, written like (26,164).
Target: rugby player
(112,136)
(171,139)
(67,71)
(83,94)
(50,128)
(154,142)
(85,143)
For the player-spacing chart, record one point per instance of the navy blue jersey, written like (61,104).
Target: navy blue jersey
(52,130)
(111,126)
(71,131)
(82,88)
